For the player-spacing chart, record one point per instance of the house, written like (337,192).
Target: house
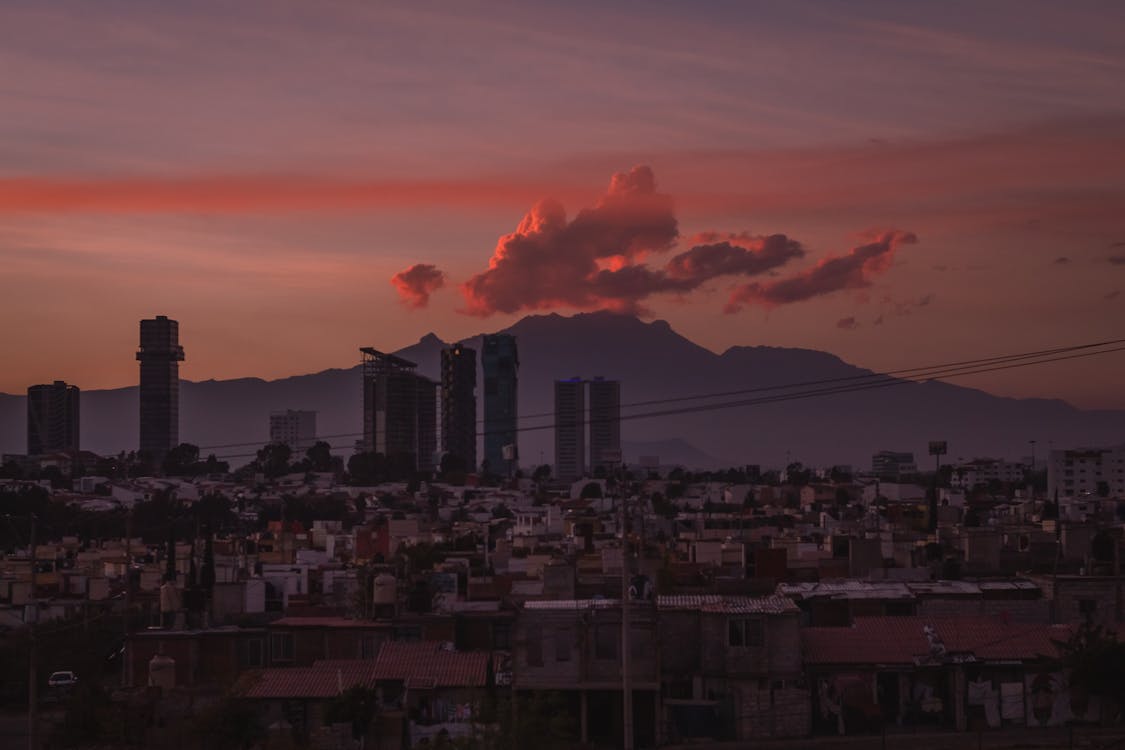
(574,648)
(956,673)
(730,668)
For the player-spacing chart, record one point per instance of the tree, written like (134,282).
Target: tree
(365,469)
(591,490)
(1096,660)
(182,460)
(273,459)
(797,474)
(319,457)
(542,473)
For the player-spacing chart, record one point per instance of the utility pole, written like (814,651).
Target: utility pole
(626,682)
(126,676)
(32,660)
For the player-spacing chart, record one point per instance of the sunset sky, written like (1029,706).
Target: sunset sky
(897,183)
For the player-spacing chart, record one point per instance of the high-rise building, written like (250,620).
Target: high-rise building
(1086,472)
(893,464)
(605,424)
(570,429)
(459,405)
(295,428)
(399,409)
(160,356)
(52,418)
(500,363)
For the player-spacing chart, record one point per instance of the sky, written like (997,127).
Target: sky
(897,183)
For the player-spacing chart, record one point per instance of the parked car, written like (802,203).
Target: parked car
(62,679)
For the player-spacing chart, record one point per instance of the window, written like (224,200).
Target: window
(640,642)
(281,647)
(502,636)
(534,646)
(605,641)
(563,639)
(409,633)
(745,633)
(250,653)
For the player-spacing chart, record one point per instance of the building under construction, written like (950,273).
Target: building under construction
(399,409)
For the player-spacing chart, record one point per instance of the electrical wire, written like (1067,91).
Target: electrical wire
(847,384)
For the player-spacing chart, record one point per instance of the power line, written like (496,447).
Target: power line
(904,372)
(845,384)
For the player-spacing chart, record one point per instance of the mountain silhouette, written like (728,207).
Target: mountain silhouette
(653,363)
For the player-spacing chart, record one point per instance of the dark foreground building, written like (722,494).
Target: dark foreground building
(160,355)
(52,418)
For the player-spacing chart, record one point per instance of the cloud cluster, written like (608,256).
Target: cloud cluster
(597,260)
(856,270)
(417,283)
(603,258)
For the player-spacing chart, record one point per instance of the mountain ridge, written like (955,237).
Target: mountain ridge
(653,362)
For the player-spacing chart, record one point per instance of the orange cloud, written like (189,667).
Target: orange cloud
(417,283)
(595,260)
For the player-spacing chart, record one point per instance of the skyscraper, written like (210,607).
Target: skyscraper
(295,428)
(605,424)
(459,406)
(500,362)
(570,429)
(160,356)
(52,418)
(399,409)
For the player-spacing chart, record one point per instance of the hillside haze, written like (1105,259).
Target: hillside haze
(652,362)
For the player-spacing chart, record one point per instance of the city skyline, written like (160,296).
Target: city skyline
(988,135)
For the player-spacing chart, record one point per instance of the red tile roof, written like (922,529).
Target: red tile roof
(311,682)
(902,640)
(429,663)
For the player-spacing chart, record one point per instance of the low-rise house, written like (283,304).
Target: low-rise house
(956,673)
(574,648)
(730,668)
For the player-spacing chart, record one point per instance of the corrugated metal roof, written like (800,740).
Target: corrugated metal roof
(572,604)
(715,603)
(845,589)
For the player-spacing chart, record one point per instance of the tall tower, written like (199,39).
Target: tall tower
(605,424)
(570,429)
(501,363)
(399,409)
(160,356)
(459,405)
(52,418)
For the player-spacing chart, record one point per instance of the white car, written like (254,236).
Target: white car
(62,679)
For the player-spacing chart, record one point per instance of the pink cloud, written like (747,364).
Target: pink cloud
(852,271)
(417,283)
(597,260)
